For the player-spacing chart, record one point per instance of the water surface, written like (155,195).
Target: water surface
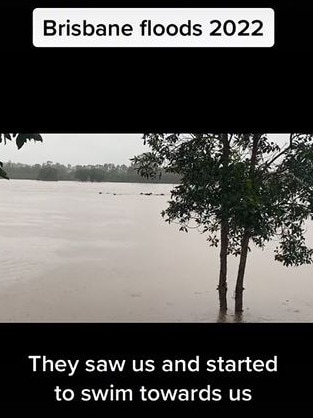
(70,253)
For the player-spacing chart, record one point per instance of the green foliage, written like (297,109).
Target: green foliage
(262,189)
(93,174)
(48,173)
(117,173)
(20,140)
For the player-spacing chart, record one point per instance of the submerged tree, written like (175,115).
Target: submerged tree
(275,202)
(238,189)
(20,140)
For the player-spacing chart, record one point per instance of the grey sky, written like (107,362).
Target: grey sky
(77,149)
(84,149)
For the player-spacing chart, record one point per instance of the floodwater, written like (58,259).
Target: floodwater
(71,254)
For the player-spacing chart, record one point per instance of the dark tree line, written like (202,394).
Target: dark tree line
(50,171)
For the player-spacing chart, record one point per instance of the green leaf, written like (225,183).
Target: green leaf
(22,138)
(3,174)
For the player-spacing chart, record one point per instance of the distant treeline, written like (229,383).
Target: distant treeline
(50,171)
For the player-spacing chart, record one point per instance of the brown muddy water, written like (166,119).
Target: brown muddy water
(71,254)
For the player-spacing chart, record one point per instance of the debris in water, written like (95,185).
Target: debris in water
(126,194)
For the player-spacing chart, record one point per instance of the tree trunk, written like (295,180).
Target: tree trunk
(247,233)
(241,273)
(222,284)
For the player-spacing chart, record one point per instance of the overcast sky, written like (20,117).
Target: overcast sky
(83,149)
(77,149)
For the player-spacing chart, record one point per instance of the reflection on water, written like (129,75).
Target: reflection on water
(101,252)
(224,317)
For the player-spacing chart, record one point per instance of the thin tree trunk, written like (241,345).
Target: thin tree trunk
(246,235)
(222,284)
(241,273)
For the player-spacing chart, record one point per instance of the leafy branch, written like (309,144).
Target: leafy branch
(20,140)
